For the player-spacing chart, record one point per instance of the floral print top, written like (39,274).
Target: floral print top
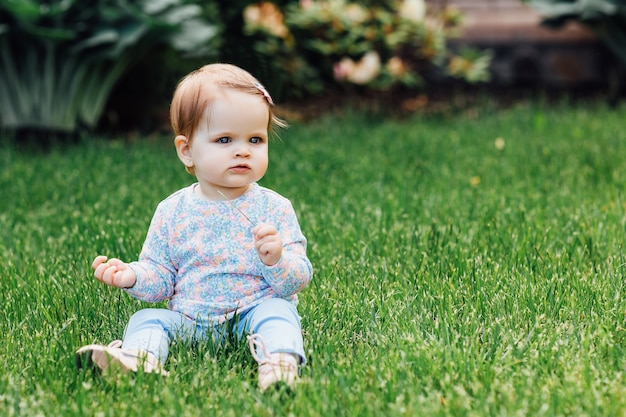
(200,255)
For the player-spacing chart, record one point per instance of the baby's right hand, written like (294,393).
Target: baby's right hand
(114,272)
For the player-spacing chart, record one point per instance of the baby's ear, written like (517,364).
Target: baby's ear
(183,150)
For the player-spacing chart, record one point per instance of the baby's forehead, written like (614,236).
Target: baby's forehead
(234,103)
(214,92)
(236,95)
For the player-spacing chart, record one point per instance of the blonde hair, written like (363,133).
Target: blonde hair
(198,89)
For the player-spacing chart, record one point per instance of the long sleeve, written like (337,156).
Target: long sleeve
(293,271)
(156,275)
(200,256)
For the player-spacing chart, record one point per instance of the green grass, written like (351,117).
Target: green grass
(452,278)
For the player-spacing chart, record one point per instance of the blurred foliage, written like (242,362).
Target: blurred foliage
(317,45)
(60,59)
(299,48)
(63,61)
(238,45)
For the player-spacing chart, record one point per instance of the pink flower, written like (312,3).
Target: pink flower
(361,72)
(306,4)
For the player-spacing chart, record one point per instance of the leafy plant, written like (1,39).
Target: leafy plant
(59,60)
(378,44)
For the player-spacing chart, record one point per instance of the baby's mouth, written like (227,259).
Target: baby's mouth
(240,168)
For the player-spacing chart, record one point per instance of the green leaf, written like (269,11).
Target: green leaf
(107,36)
(23,10)
(153,7)
(194,37)
(61,59)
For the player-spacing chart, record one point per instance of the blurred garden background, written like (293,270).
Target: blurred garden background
(111,65)
(458,168)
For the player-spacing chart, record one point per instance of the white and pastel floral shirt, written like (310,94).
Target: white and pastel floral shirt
(200,255)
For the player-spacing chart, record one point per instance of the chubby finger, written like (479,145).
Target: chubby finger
(269,253)
(102,270)
(108,277)
(255,230)
(269,246)
(117,262)
(271,242)
(262,230)
(99,270)
(98,261)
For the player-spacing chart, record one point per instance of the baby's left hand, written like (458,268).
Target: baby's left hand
(268,243)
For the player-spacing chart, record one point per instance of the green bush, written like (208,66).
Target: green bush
(376,44)
(62,61)
(59,60)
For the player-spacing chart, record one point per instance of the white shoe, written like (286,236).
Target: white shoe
(274,367)
(113,356)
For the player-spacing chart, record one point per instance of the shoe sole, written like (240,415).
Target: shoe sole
(97,357)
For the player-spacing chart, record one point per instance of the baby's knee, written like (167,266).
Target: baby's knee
(278,305)
(147,314)
(276,309)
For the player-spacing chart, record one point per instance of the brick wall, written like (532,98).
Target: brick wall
(524,50)
(509,21)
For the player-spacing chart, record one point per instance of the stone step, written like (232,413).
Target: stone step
(510,21)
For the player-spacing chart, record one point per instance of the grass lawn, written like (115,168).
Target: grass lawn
(467,265)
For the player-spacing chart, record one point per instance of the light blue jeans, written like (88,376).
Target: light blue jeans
(275,320)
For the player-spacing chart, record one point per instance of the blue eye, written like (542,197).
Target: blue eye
(256,140)
(223,140)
